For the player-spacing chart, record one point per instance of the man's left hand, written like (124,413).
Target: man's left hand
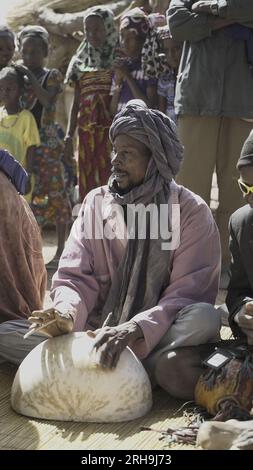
(111,341)
(202,7)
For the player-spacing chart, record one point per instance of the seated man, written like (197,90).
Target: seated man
(154,291)
(240,290)
(22,271)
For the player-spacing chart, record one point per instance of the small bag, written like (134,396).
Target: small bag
(225,389)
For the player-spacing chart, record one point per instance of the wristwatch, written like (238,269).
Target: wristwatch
(214,7)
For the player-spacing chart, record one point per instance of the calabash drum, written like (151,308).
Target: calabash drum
(60,380)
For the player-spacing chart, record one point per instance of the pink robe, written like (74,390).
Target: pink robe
(88,265)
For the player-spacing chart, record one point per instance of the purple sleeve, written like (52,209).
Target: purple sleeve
(74,286)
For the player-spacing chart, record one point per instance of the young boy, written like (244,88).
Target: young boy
(18,129)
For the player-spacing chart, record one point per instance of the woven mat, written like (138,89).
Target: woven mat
(19,432)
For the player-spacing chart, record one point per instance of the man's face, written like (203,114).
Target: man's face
(246,175)
(129,160)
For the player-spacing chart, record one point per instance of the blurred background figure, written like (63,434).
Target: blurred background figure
(214,98)
(171,51)
(134,72)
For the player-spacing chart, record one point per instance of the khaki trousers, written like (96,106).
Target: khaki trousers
(213,143)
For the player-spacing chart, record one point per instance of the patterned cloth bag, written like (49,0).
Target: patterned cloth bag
(225,388)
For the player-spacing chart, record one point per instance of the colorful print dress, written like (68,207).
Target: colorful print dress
(50,202)
(93,129)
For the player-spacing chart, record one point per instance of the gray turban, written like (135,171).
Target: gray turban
(154,129)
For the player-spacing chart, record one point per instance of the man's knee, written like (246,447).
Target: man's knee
(177,372)
(13,347)
(211,319)
(207,319)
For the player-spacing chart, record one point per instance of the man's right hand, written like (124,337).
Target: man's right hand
(245,321)
(63,322)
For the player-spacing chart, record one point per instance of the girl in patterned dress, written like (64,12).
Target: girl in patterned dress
(90,73)
(50,202)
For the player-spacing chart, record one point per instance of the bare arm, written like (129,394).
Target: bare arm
(72,123)
(150,98)
(29,167)
(45,96)
(30,159)
(115,100)
(162,102)
(122,73)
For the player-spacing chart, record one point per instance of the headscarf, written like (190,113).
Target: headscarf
(33,31)
(87,58)
(13,170)
(145,268)
(137,20)
(5,32)
(246,157)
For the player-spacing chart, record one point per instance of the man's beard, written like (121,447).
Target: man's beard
(114,187)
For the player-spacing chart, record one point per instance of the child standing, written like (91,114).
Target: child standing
(90,72)
(135,76)
(171,51)
(50,202)
(18,130)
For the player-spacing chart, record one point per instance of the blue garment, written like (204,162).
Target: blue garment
(13,170)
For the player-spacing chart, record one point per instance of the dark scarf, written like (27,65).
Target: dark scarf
(144,271)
